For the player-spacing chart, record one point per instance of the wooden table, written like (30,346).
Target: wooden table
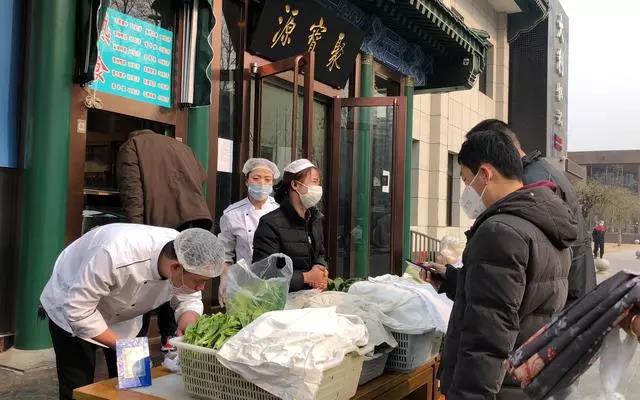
(417,385)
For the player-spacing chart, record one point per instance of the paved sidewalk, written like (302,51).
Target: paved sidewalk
(43,385)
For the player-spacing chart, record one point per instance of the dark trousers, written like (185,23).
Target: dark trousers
(166,321)
(598,246)
(76,361)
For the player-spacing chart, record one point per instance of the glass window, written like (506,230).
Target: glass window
(275,131)
(157,12)
(227,187)
(384,87)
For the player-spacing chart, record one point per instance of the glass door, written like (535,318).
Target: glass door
(366,182)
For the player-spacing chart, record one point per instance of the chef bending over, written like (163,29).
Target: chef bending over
(106,280)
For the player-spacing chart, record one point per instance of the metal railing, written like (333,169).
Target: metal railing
(423,248)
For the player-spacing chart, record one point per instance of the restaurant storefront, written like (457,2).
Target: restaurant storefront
(329,80)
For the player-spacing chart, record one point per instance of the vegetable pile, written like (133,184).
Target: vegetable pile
(341,284)
(247,304)
(212,330)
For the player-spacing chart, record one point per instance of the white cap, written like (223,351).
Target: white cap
(256,163)
(199,252)
(299,165)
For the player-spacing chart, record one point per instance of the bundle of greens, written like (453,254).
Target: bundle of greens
(244,306)
(212,331)
(341,284)
(258,298)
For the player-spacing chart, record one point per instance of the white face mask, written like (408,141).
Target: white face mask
(182,289)
(312,197)
(471,201)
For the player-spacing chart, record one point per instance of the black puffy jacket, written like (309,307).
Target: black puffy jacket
(284,231)
(582,276)
(513,280)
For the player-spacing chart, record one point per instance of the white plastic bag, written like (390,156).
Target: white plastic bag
(172,362)
(286,352)
(264,284)
(351,304)
(297,300)
(614,360)
(409,307)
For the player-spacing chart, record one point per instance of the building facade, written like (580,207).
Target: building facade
(619,168)
(342,82)
(441,121)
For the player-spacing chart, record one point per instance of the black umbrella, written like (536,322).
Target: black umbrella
(552,359)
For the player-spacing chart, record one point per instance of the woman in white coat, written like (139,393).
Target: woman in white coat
(240,220)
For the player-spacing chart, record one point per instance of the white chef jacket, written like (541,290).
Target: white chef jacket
(108,278)
(238,225)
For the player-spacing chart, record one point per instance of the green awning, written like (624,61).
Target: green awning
(459,52)
(533,12)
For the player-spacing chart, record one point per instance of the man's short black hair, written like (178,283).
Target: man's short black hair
(169,251)
(496,125)
(494,148)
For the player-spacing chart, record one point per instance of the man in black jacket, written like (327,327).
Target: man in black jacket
(582,276)
(515,269)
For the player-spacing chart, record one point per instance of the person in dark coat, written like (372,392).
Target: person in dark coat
(161,184)
(515,270)
(598,239)
(296,228)
(582,276)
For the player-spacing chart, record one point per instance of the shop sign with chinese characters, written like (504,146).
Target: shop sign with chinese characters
(287,28)
(134,59)
(558,75)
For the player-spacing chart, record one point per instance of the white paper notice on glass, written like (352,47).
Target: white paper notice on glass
(225,155)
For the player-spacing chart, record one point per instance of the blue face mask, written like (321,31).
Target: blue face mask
(260,192)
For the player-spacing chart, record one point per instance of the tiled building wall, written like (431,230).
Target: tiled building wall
(440,122)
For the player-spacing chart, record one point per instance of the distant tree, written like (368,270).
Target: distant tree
(619,207)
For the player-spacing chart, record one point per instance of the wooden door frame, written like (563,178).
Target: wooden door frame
(399,104)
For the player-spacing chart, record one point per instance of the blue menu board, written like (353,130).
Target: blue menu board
(134,59)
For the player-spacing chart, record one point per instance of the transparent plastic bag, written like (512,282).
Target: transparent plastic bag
(259,288)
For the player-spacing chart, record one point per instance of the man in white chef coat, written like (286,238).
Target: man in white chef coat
(240,220)
(105,281)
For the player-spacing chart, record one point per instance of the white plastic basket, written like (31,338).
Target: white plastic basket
(413,351)
(374,366)
(205,377)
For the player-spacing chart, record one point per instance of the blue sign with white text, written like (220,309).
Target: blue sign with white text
(134,59)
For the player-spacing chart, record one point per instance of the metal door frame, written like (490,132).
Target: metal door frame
(305,61)
(399,104)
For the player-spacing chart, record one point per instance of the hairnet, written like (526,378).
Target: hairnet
(255,163)
(200,252)
(299,165)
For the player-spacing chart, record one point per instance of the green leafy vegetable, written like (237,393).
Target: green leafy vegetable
(247,304)
(340,284)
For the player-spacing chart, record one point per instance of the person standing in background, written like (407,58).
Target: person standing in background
(240,220)
(296,227)
(582,276)
(598,239)
(160,183)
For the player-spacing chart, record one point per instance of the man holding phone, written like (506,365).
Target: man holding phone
(515,269)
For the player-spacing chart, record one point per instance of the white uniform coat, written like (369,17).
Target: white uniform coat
(108,278)
(238,225)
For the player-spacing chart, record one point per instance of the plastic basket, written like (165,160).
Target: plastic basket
(205,377)
(373,366)
(413,351)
